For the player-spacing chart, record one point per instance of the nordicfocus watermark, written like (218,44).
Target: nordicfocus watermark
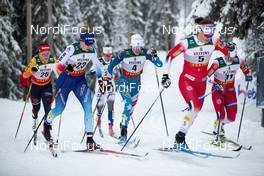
(227,30)
(130,87)
(197,145)
(64,29)
(62,146)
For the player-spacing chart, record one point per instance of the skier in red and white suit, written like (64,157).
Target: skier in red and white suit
(224,93)
(197,50)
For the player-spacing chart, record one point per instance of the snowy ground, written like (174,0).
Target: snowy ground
(152,133)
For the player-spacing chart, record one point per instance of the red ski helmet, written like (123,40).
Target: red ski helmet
(43,47)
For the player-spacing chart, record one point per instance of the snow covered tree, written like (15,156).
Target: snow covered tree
(10,60)
(148,18)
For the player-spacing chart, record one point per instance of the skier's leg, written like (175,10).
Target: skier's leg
(190,94)
(127,107)
(219,107)
(84,95)
(110,106)
(46,96)
(60,103)
(99,107)
(231,105)
(35,96)
(62,96)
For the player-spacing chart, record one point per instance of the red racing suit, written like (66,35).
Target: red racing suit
(192,82)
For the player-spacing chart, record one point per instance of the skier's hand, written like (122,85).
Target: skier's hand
(217,87)
(69,68)
(165,81)
(101,86)
(34,69)
(249,78)
(154,52)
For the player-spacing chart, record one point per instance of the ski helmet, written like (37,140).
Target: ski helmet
(107,53)
(137,41)
(232,49)
(87,38)
(43,47)
(107,50)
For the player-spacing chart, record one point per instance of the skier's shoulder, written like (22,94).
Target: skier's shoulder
(221,61)
(125,53)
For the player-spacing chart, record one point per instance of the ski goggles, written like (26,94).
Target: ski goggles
(88,39)
(207,29)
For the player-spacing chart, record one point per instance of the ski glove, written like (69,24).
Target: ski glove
(34,69)
(69,68)
(217,87)
(249,78)
(154,52)
(165,81)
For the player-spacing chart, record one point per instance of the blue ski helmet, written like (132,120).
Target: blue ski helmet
(87,38)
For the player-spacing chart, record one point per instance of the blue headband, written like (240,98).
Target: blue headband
(87,38)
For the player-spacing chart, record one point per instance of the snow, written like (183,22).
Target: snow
(151,132)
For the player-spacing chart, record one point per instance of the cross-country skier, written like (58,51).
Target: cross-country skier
(197,50)
(224,98)
(131,61)
(105,95)
(72,63)
(40,69)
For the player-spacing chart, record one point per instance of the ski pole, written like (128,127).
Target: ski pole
(101,112)
(242,113)
(142,119)
(162,104)
(57,141)
(200,98)
(92,115)
(53,99)
(22,114)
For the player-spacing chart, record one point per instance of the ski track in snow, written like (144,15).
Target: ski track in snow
(151,132)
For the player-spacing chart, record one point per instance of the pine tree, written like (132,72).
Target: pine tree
(10,60)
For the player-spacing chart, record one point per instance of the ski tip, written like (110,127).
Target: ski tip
(238,149)
(249,148)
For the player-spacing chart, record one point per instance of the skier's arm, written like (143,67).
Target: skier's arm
(97,65)
(220,46)
(114,63)
(173,53)
(247,72)
(62,63)
(28,72)
(244,67)
(153,57)
(213,68)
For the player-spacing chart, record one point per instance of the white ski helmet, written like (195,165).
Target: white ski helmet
(107,50)
(137,41)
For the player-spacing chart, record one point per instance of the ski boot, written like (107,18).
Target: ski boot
(180,143)
(110,130)
(34,127)
(219,139)
(46,132)
(91,144)
(123,136)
